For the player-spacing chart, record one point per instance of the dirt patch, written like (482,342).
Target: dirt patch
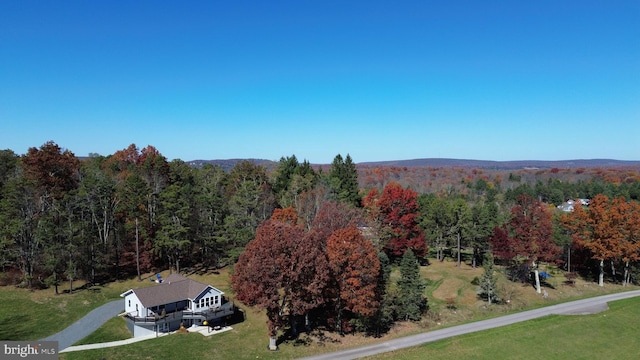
(469,297)
(448,289)
(588,310)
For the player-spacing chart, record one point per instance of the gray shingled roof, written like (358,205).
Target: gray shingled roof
(173,289)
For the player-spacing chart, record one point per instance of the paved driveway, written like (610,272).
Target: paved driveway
(88,324)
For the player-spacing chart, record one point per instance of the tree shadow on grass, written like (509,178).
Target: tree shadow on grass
(317,335)
(12,328)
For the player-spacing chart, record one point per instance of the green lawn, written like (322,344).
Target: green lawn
(611,334)
(32,315)
(247,340)
(113,330)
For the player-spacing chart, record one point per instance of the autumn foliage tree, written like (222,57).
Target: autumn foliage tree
(334,216)
(355,268)
(51,175)
(286,215)
(527,237)
(631,241)
(282,270)
(396,211)
(53,169)
(261,276)
(609,229)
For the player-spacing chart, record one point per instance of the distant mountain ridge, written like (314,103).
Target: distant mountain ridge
(505,165)
(228,164)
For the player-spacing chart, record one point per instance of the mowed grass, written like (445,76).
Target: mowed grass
(113,330)
(48,314)
(32,315)
(612,334)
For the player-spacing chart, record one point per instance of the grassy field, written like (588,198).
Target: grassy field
(611,334)
(32,315)
(113,330)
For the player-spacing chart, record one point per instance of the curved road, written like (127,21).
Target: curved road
(585,306)
(86,325)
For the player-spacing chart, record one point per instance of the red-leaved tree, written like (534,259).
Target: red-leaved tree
(282,270)
(527,237)
(396,212)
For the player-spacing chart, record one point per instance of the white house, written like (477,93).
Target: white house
(175,301)
(570,204)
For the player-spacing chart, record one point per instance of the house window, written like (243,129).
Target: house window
(129,303)
(216,299)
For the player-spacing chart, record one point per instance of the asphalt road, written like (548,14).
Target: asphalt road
(585,306)
(86,325)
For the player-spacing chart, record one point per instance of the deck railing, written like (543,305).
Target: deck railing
(206,314)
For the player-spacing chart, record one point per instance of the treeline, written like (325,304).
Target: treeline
(555,185)
(309,246)
(116,216)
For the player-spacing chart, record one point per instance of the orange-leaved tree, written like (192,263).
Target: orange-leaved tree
(605,230)
(355,266)
(631,242)
(287,215)
(43,212)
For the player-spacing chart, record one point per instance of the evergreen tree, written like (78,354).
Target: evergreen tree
(461,225)
(343,178)
(250,202)
(212,210)
(176,217)
(410,300)
(488,288)
(282,177)
(484,218)
(383,319)
(290,179)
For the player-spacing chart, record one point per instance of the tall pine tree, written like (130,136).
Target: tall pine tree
(343,178)
(410,300)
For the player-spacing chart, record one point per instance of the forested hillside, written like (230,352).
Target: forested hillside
(308,242)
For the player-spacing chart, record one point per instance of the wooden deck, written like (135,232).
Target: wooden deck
(210,314)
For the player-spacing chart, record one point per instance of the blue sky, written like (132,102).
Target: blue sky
(379,80)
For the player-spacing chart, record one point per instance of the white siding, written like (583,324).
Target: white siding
(133,306)
(210,299)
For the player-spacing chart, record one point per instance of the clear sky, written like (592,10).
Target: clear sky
(379,80)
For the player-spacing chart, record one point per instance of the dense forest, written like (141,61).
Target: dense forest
(308,243)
